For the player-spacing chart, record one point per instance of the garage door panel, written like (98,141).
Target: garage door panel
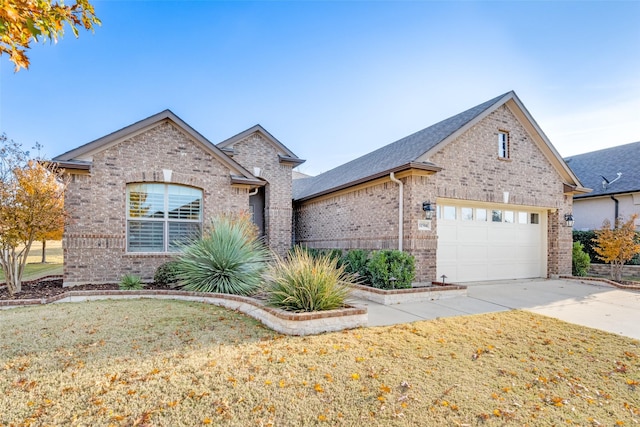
(474,234)
(486,250)
(473,252)
(500,232)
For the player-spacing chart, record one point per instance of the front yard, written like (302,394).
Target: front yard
(170,363)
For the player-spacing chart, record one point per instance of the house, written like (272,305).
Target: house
(482,195)
(614,175)
(499,189)
(136,194)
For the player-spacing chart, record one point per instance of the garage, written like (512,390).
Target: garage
(490,242)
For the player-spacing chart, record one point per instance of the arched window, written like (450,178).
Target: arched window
(162,217)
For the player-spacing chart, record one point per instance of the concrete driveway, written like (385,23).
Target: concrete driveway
(592,304)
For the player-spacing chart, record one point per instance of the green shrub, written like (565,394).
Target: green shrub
(355,262)
(586,238)
(318,253)
(130,283)
(391,269)
(167,273)
(580,260)
(229,258)
(304,283)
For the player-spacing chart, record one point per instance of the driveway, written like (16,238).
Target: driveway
(596,305)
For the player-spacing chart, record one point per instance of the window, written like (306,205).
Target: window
(449,212)
(161,217)
(535,218)
(503,145)
(509,216)
(466,214)
(522,217)
(481,214)
(496,215)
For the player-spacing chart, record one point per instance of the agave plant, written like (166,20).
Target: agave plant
(130,282)
(229,258)
(307,283)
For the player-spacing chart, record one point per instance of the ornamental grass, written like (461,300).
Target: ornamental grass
(304,283)
(229,258)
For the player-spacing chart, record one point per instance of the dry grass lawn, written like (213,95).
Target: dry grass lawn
(169,363)
(34,268)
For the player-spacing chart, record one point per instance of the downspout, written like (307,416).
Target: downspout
(615,218)
(392,177)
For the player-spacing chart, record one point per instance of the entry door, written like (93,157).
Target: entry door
(256,208)
(478,243)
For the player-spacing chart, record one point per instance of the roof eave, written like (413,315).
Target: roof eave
(412,165)
(72,165)
(241,180)
(287,160)
(617,193)
(257,128)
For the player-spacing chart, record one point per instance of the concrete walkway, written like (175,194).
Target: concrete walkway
(592,304)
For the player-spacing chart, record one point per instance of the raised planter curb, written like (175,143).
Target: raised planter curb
(607,281)
(281,321)
(400,296)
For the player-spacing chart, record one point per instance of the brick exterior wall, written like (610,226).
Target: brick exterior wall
(255,151)
(367,218)
(94,243)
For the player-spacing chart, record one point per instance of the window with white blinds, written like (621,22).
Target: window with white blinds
(162,217)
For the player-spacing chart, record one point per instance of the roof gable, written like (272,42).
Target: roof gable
(284,153)
(83,155)
(415,150)
(594,167)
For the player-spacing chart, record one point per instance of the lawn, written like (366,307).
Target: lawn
(34,268)
(170,363)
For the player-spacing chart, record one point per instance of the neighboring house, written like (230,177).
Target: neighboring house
(494,187)
(614,176)
(500,190)
(137,193)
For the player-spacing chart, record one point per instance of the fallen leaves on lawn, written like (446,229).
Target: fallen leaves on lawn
(173,363)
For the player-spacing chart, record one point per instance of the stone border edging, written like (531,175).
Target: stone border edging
(398,296)
(607,281)
(281,321)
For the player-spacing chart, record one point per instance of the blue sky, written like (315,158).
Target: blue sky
(332,80)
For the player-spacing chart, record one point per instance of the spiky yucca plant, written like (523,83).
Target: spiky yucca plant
(229,258)
(304,283)
(130,282)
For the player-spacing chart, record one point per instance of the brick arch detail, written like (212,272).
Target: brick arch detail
(158,176)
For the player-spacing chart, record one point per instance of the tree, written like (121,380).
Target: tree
(31,205)
(55,234)
(24,20)
(618,245)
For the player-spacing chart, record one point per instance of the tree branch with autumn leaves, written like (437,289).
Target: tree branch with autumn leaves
(24,21)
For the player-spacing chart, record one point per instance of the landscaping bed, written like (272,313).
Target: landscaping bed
(414,294)
(50,290)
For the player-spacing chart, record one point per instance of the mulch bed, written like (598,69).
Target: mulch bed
(51,287)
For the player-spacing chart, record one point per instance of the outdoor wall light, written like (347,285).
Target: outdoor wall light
(428,210)
(568,219)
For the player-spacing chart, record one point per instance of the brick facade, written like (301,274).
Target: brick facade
(255,151)
(95,237)
(367,216)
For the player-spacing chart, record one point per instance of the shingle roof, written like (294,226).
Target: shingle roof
(592,167)
(397,154)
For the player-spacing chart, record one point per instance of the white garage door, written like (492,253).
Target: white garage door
(490,242)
